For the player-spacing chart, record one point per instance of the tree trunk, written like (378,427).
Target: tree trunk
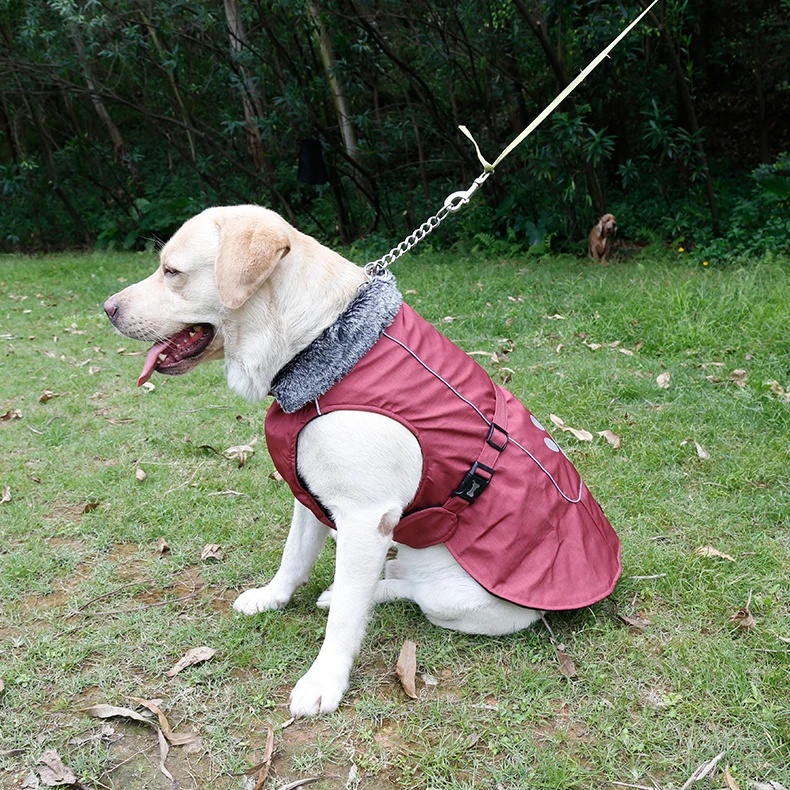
(249,95)
(536,26)
(52,172)
(688,105)
(173,84)
(336,86)
(98,104)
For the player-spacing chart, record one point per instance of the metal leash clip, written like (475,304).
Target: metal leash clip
(459,199)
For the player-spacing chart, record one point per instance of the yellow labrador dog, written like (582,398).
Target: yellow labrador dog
(241,284)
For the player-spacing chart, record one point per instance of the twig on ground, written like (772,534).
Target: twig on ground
(300,783)
(128,759)
(187,482)
(266,765)
(107,595)
(142,608)
(548,628)
(703,770)
(647,578)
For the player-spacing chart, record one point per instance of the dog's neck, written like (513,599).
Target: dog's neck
(332,355)
(306,293)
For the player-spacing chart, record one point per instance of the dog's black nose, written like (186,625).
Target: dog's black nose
(110,307)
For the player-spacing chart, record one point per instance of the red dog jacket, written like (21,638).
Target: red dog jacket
(495,488)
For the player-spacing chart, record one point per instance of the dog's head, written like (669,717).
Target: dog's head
(607,225)
(209,270)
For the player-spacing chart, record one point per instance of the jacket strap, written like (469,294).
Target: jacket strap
(482,470)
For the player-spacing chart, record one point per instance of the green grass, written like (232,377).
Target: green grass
(645,703)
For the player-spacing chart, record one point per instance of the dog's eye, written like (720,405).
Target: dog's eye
(168,272)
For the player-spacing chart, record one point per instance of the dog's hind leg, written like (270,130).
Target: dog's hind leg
(305,540)
(386,590)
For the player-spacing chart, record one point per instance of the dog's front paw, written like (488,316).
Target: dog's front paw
(260,599)
(325,599)
(318,691)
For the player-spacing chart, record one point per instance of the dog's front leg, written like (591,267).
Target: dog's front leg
(362,542)
(305,540)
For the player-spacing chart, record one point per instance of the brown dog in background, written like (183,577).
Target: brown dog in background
(602,237)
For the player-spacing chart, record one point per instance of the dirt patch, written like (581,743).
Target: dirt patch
(134,762)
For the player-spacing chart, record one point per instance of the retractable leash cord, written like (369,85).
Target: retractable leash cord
(456,200)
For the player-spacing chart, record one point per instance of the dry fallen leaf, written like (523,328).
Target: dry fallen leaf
(103,711)
(567,667)
(241,452)
(49,395)
(196,655)
(212,552)
(276,476)
(775,387)
(611,437)
(11,414)
(6,495)
(162,547)
(411,291)
(505,374)
(635,622)
(739,377)
(52,772)
(407,667)
(115,421)
(176,739)
(140,474)
(702,452)
(663,379)
(555,317)
(579,433)
(714,379)
(626,351)
(592,346)
(148,386)
(729,781)
(709,551)
(743,617)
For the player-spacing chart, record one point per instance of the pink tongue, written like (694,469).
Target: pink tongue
(150,361)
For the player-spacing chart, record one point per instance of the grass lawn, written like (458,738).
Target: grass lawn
(665,678)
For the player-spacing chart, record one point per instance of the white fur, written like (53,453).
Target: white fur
(364,467)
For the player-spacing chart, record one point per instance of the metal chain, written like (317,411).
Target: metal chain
(375,268)
(452,204)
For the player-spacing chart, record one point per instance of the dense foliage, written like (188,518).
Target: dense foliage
(120,118)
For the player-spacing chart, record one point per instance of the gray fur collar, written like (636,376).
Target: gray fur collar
(332,355)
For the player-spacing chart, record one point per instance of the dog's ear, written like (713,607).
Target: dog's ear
(247,253)
(600,227)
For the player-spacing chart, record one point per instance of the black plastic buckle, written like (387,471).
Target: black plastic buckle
(474,483)
(490,440)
